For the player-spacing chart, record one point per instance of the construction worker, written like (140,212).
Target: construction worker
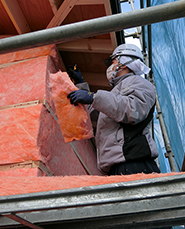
(123,136)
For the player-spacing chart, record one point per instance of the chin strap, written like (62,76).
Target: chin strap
(111,82)
(117,68)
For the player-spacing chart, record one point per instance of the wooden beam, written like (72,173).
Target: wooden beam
(5,36)
(109,12)
(53,6)
(87,45)
(16,15)
(90,2)
(62,13)
(26,165)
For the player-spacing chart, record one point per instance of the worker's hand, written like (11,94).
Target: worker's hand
(75,75)
(80,96)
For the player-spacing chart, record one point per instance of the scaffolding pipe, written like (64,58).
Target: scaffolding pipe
(149,35)
(143,33)
(94,27)
(169,154)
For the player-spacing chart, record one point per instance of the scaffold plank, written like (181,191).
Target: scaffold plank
(140,204)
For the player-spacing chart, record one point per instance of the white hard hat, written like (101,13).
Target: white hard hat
(130,50)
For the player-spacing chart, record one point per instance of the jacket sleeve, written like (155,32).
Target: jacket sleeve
(83,86)
(126,104)
(93,113)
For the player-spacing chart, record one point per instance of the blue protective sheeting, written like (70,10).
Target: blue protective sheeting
(168,55)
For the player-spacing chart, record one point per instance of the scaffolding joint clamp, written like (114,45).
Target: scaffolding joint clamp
(168,154)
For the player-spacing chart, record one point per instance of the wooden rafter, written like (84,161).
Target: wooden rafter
(87,45)
(83,45)
(90,2)
(62,12)
(5,36)
(53,6)
(109,12)
(16,15)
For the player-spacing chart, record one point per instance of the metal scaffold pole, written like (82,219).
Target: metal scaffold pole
(94,27)
(169,153)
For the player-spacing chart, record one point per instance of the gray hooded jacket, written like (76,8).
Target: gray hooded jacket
(129,101)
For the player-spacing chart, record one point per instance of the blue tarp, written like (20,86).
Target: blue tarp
(168,58)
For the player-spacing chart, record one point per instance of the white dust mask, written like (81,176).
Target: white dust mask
(110,73)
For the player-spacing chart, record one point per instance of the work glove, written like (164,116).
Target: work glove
(75,74)
(80,96)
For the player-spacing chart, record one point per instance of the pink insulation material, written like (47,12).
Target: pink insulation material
(21,185)
(26,54)
(74,121)
(23,82)
(20,128)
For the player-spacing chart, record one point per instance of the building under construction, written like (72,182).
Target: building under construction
(50,179)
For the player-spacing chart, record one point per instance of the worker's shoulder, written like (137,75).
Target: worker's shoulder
(138,80)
